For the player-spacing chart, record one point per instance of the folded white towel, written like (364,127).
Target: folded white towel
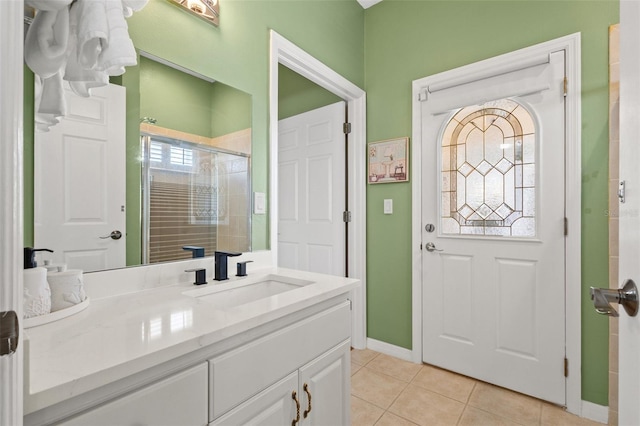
(46,42)
(119,52)
(92,31)
(81,79)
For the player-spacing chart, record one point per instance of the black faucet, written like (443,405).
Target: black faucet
(220,267)
(196,251)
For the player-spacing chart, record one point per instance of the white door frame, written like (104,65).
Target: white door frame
(11,203)
(286,53)
(493,66)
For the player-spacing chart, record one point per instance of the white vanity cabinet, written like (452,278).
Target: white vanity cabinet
(180,399)
(255,384)
(316,394)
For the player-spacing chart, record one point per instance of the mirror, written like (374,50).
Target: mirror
(187,168)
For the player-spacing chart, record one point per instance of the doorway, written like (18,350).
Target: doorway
(286,53)
(447,254)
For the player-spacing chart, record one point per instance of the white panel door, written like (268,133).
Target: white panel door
(311,191)
(80,182)
(493,264)
(629,331)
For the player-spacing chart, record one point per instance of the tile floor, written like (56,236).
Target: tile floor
(388,391)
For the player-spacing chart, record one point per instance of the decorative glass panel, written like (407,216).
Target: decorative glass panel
(489,172)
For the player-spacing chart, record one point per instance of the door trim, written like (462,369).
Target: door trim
(11,210)
(288,54)
(571,45)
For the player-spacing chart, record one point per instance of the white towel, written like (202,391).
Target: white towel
(119,52)
(135,5)
(81,79)
(92,31)
(50,104)
(46,42)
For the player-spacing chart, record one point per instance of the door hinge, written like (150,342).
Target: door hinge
(566,367)
(346,128)
(422,95)
(346,216)
(566,86)
(350,304)
(9,332)
(566,226)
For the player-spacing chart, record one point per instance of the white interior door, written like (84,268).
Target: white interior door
(629,267)
(311,191)
(493,228)
(80,182)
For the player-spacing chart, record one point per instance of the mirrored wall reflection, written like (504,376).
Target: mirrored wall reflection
(194,195)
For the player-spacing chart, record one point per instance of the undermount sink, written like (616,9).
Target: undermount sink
(236,293)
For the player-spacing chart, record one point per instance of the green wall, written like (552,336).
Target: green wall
(408,40)
(237,53)
(297,94)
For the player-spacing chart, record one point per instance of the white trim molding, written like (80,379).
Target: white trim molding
(11,203)
(288,54)
(595,412)
(571,45)
(389,349)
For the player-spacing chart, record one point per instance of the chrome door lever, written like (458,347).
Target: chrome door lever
(114,235)
(627,296)
(430,247)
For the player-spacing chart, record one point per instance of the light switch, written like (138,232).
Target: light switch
(259,203)
(388,206)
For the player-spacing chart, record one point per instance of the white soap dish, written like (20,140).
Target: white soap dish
(55,316)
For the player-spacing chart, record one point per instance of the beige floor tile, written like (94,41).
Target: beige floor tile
(363,356)
(354,368)
(376,388)
(364,413)
(445,383)
(476,417)
(426,408)
(557,416)
(505,403)
(389,419)
(394,367)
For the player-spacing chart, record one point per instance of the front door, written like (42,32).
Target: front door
(493,228)
(311,191)
(79,188)
(629,327)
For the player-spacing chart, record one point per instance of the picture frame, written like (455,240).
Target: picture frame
(388,161)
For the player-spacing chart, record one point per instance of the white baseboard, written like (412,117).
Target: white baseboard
(595,412)
(389,349)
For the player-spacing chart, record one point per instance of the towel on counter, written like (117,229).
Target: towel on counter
(47,41)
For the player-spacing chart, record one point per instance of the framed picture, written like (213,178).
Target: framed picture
(389,161)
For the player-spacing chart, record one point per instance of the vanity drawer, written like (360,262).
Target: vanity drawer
(177,400)
(243,372)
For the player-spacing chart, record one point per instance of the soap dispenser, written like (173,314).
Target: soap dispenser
(37,293)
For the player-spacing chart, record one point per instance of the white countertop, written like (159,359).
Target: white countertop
(121,335)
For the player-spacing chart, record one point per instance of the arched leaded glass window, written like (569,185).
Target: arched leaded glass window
(489,171)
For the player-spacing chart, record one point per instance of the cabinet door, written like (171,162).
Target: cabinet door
(273,406)
(324,386)
(177,400)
